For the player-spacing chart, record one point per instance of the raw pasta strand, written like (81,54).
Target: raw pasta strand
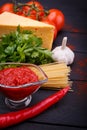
(58,75)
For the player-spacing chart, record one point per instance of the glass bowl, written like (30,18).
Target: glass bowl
(19,95)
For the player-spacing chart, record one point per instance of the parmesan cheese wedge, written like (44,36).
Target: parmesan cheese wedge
(10,21)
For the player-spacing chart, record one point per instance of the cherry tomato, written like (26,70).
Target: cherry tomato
(51,23)
(7,7)
(35,10)
(57,17)
(31,17)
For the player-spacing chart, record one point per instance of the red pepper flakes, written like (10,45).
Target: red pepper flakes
(71,28)
(81,65)
(82,87)
(75,30)
(80,70)
(83,62)
(72,47)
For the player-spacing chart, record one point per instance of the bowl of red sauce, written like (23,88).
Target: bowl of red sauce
(19,81)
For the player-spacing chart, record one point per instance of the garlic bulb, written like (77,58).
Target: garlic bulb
(63,53)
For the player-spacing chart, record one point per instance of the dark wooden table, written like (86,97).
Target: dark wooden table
(71,112)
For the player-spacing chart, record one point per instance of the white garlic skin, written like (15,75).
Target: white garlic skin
(63,55)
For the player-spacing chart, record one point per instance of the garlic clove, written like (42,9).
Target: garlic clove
(63,53)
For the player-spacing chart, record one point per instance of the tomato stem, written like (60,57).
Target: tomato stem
(18,7)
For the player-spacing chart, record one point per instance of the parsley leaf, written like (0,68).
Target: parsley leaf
(23,46)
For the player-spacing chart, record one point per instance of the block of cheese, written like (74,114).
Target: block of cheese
(10,21)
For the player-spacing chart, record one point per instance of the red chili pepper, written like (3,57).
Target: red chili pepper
(12,118)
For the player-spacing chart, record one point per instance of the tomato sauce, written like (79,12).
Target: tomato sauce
(18,76)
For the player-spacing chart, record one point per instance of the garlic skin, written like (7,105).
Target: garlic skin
(63,53)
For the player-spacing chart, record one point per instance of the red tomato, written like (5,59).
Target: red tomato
(7,7)
(31,17)
(57,17)
(51,23)
(35,11)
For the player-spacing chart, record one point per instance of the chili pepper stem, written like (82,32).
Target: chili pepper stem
(13,118)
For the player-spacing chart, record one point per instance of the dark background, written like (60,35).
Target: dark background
(71,112)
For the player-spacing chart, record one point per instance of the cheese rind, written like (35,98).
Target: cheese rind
(10,21)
